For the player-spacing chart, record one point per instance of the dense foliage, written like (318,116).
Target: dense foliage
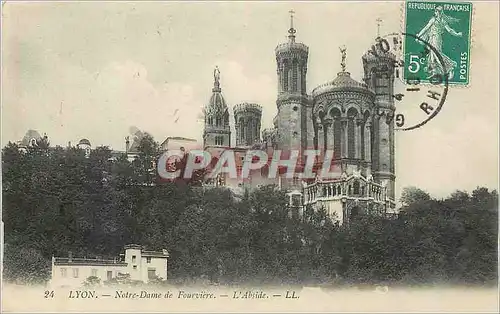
(56,200)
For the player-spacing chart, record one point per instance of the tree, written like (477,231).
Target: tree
(412,195)
(59,199)
(145,163)
(25,265)
(43,143)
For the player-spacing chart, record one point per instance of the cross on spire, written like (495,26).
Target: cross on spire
(379,22)
(291,31)
(292,12)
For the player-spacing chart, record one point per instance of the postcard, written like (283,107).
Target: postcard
(249,156)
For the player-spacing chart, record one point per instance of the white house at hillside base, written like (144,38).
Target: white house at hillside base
(140,264)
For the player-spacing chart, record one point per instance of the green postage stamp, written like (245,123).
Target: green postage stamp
(437,41)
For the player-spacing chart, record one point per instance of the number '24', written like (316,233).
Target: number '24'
(49,294)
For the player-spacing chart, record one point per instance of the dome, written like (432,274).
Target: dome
(30,136)
(217,104)
(291,48)
(343,82)
(84,141)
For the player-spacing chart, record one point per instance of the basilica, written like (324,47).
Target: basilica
(354,119)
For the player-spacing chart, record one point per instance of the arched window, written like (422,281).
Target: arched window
(286,69)
(354,212)
(337,132)
(219,140)
(362,144)
(242,128)
(251,131)
(302,80)
(339,190)
(337,139)
(372,141)
(350,139)
(356,188)
(295,76)
(351,133)
(366,117)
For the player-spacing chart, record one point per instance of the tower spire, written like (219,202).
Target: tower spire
(292,30)
(217,130)
(343,52)
(379,22)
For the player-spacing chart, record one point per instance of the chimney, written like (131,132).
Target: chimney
(127,144)
(70,256)
(69,144)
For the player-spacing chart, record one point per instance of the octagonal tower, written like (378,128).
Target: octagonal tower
(247,119)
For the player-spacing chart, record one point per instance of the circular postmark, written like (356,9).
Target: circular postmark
(417,99)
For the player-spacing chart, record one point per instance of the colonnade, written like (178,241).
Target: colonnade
(293,76)
(357,147)
(247,130)
(333,189)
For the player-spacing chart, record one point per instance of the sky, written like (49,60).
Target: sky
(93,70)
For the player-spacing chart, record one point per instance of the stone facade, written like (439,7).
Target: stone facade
(354,119)
(247,119)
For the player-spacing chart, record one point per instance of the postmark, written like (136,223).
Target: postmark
(416,99)
(446,26)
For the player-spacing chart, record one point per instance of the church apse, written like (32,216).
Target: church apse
(345,116)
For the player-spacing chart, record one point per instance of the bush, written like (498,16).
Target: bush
(92,281)
(25,265)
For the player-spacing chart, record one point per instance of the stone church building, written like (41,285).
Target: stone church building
(354,119)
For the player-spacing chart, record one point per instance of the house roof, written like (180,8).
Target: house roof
(87,261)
